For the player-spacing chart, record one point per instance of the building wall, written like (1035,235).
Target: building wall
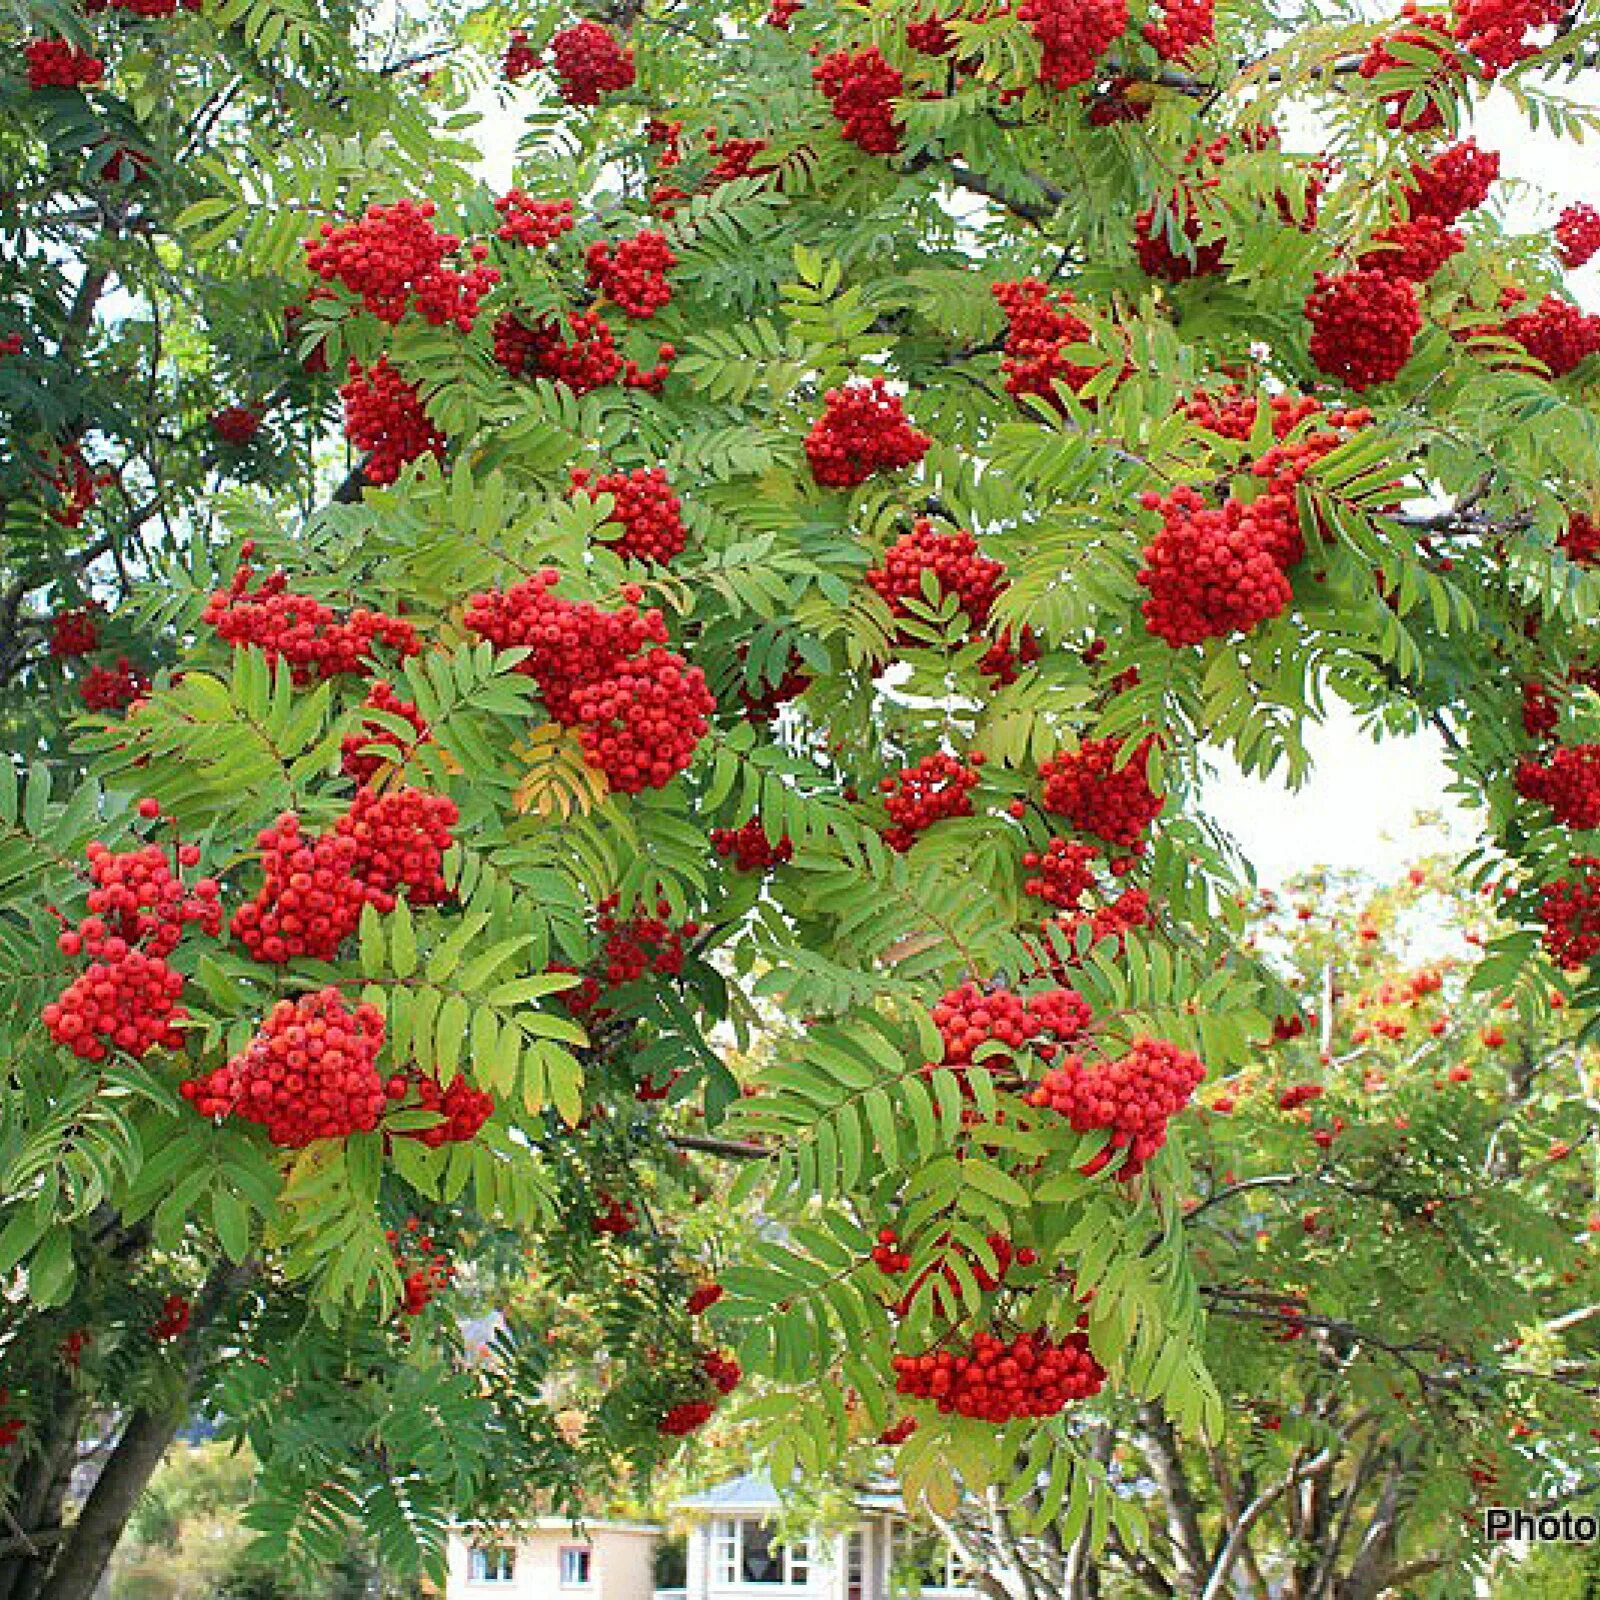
(625,1564)
(622,1567)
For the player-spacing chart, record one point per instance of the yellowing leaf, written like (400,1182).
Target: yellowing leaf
(556,780)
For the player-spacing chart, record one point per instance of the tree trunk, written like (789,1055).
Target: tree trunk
(84,1557)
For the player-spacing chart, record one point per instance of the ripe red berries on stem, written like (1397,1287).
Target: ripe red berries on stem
(644,504)
(863,430)
(633,273)
(1073,35)
(395,261)
(997,1380)
(309,1073)
(1578,235)
(1363,325)
(640,710)
(1569,908)
(938,786)
(1568,781)
(1089,789)
(55,64)
(862,87)
(590,62)
(1133,1097)
(1040,324)
(384,415)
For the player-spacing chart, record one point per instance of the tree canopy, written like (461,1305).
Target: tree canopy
(741,702)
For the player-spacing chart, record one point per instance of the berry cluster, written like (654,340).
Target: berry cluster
(138,908)
(589,62)
(394,260)
(1097,796)
(1133,1097)
(863,430)
(1569,908)
(704,1297)
(887,1255)
(534,223)
(1568,781)
(996,1380)
(1426,34)
(649,513)
(55,64)
(615,1217)
(1540,710)
(1152,245)
(1184,24)
(950,558)
(862,87)
(74,633)
(633,274)
(113,688)
(749,847)
(520,58)
(462,1110)
(302,631)
(75,485)
(1415,249)
(1455,181)
(1496,31)
(309,1073)
(173,1322)
(1040,324)
(1581,539)
(722,1373)
(629,948)
(1062,874)
(938,786)
(942,1278)
(384,415)
(401,837)
(236,425)
(424,1267)
(1557,333)
(1578,235)
(931,36)
(314,886)
(589,359)
(970,1017)
(365,753)
(1363,325)
(640,709)
(1072,36)
(1212,571)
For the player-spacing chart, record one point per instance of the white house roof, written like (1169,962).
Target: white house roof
(754,1492)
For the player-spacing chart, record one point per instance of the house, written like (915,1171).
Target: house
(734,1553)
(547,1560)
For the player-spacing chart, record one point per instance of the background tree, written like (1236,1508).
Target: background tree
(809,538)
(1394,1227)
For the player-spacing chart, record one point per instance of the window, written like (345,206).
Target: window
(495,1565)
(920,1560)
(575,1566)
(744,1551)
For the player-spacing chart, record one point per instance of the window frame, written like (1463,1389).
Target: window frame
(727,1556)
(478,1557)
(955,1579)
(586,1551)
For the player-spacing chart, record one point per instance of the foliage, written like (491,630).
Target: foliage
(586,951)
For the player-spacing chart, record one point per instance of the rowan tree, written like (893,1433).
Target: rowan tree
(805,538)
